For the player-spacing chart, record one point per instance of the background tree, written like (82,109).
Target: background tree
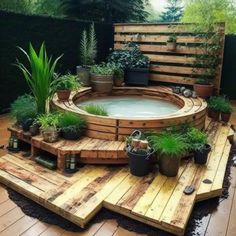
(207,12)
(106,10)
(173,12)
(21,6)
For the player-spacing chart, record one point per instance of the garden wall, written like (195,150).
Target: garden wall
(61,36)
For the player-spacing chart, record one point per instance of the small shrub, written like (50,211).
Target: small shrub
(216,103)
(68,119)
(95,110)
(102,69)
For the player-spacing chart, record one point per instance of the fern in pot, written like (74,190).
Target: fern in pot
(170,148)
(214,105)
(226,111)
(102,78)
(197,140)
(88,53)
(71,126)
(49,126)
(63,85)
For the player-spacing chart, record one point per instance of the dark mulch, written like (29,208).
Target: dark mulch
(200,211)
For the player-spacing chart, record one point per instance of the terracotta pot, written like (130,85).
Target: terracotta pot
(214,115)
(118,81)
(171,46)
(84,75)
(102,83)
(169,166)
(63,95)
(225,117)
(203,90)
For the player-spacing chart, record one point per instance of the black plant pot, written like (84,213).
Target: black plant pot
(26,124)
(200,156)
(137,76)
(139,164)
(70,133)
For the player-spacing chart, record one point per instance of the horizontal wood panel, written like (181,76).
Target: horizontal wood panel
(101,128)
(163,48)
(100,135)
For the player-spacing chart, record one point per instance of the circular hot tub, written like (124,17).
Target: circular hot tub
(130,108)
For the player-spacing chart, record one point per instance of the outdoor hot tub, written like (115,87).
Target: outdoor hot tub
(130,108)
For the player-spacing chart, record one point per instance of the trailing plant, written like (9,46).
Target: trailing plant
(39,76)
(49,120)
(24,107)
(69,119)
(130,57)
(66,82)
(102,69)
(95,110)
(88,46)
(169,144)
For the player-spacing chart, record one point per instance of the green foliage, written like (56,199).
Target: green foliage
(117,69)
(88,46)
(95,110)
(102,69)
(172,38)
(66,82)
(49,120)
(40,75)
(207,12)
(69,119)
(173,12)
(107,11)
(169,144)
(22,6)
(227,108)
(203,81)
(196,138)
(130,57)
(216,103)
(24,107)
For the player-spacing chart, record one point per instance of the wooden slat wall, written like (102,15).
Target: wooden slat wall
(172,67)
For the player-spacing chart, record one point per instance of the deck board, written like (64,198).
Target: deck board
(155,199)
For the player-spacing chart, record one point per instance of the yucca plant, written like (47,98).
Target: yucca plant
(39,76)
(88,48)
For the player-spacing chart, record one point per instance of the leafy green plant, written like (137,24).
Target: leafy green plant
(169,144)
(68,119)
(227,108)
(88,48)
(40,75)
(130,57)
(66,82)
(95,110)
(196,138)
(117,70)
(216,103)
(102,69)
(203,81)
(24,107)
(49,120)
(172,38)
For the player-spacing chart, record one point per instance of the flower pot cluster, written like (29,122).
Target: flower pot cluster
(169,148)
(219,108)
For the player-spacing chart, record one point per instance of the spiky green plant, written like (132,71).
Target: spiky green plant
(39,76)
(95,110)
(88,48)
(69,119)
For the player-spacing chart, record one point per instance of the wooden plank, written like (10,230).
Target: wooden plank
(101,135)
(101,128)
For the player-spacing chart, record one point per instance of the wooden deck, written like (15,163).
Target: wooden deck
(155,199)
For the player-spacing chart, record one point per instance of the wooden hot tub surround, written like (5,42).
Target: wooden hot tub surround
(116,129)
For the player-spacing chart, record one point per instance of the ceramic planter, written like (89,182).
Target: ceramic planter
(225,117)
(84,75)
(200,156)
(50,135)
(63,95)
(137,76)
(169,166)
(102,83)
(171,45)
(214,115)
(203,90)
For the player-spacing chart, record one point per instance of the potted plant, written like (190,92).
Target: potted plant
(139,154)
(63,85)
(134,64)
(102,78)
(118,77)
(88,53)
(171,43)
(170,148)
(24,110)
(226,111)
(71,125)
(203,88)
(49,126)
(214,107)
(198,144)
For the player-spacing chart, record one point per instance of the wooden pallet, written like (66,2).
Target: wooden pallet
(154,200)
